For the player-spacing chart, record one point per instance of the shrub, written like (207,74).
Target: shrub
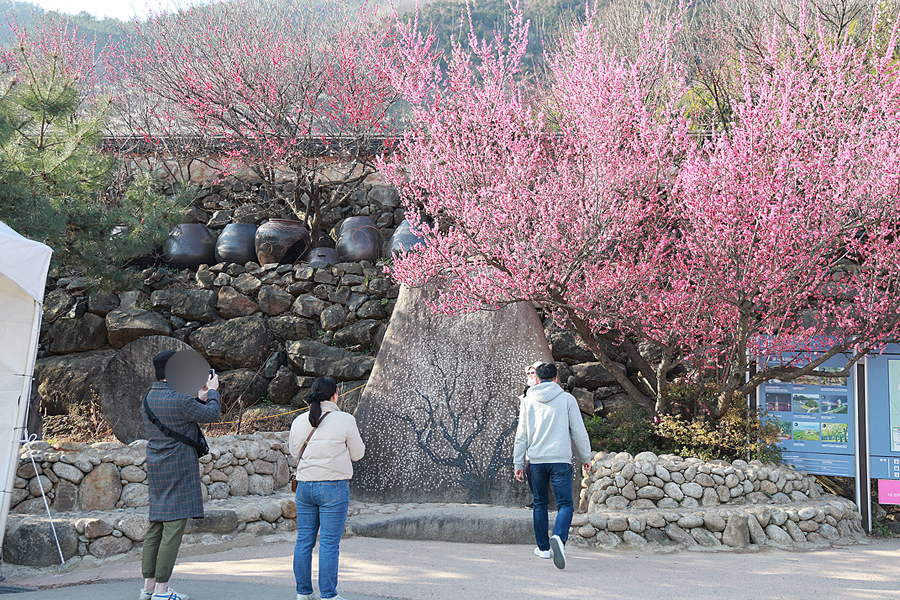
(626,429)
(740,434)
(687,430)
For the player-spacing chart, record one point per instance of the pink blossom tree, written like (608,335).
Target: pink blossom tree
(534,194)
(791,217)
(289,89)
(592,197)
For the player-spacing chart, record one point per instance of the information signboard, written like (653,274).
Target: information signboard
(883,390)
(814,416)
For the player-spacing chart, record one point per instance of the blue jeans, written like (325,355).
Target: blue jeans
(321,509)
(560,476)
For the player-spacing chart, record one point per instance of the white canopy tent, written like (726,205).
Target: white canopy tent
(23,273)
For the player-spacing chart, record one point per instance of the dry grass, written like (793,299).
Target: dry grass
(85,423)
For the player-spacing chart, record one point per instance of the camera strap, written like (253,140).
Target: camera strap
(168,432)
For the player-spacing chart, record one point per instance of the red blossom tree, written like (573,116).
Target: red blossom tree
(593,198)
(289,89)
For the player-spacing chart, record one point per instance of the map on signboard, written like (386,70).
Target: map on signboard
(894,398)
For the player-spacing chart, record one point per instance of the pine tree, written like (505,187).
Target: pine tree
(55,184)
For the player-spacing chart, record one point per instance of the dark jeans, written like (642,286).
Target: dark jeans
(559,475)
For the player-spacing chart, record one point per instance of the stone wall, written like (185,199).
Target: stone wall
(98,496)
(108,475)
(668,501)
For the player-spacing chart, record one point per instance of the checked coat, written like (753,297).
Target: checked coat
(172,468)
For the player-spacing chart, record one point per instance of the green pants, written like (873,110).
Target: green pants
(161,544)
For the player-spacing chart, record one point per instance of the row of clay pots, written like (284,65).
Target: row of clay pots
(280,241)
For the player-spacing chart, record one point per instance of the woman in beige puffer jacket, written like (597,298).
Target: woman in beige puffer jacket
(329,442)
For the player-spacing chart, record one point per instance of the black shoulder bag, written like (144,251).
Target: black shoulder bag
(200,445)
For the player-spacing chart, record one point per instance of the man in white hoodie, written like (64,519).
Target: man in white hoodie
(549,421)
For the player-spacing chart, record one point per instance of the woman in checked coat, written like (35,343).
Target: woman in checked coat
(173,476)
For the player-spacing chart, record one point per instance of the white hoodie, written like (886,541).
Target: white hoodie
(549,421)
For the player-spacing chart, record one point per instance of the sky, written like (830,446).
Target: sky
(119,9)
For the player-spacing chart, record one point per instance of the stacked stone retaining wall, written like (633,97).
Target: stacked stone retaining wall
(108,475)
(667,501)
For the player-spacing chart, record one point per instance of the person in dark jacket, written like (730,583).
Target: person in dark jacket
(173,476)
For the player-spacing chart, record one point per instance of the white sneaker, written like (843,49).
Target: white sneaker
(559,552)
(305,597)
(145,595)
(543,553)
(169,594)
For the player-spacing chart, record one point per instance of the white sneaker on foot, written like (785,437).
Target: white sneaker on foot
(169,594)
(145,595)
(559,552)
(543,553)
(305,597)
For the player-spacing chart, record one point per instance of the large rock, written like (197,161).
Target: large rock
(63,381)
(237,343)
(57,304)
(232,304)
(100,489)
(283,386)
(438,377)
(288,327)
(30,542)
(72,334)
(189,304)
(101,304)
(361,333)
(241,388)
(299,351)
(273,300)
(110,546)
(124,325)
(592,375)
(344,369)
(565,344)
(126,381)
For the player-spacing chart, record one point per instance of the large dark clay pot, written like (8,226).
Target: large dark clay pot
(403,240)
(189,246)
(323,255)
(281,241)
(359,239)
(237,244)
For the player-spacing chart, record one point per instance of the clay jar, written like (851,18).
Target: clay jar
(321,255)
(359,239)
(403,240)
(237,244)
(281,241)
(189,246)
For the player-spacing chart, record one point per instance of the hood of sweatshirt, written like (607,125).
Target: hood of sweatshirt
(544,391)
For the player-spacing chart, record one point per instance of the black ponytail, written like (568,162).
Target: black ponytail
(322,389)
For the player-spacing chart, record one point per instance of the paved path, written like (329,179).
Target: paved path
(374,568)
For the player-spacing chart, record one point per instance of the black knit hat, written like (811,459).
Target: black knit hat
(159,363)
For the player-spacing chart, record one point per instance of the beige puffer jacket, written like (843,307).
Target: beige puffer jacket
(332,447)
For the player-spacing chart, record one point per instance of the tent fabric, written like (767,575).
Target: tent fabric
(24,261)
(23,274)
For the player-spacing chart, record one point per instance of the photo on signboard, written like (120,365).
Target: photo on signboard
(806,380)
(806,431)
(836,432)
(833,381)
(778,402)
(806,403)
(784,430)
(833,405)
